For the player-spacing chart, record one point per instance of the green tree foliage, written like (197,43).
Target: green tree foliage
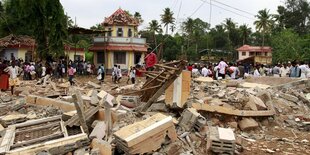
(167,18)
(295,14)
(44,20)
(287,47)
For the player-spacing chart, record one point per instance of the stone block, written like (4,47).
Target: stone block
(104,147)
(248,124)
(65,106)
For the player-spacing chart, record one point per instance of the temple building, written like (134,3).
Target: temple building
(121,44)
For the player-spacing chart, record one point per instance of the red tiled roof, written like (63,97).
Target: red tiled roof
(13,41)
(120,17)
(255,48)
(119,48)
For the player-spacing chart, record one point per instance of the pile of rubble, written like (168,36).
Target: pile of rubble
(169,113)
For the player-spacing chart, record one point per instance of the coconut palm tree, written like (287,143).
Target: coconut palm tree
(167,18)
(264,22)
(138,16)
(245,32)
(154,28)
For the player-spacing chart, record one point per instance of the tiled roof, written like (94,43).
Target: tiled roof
(120,17)
(17,41)
(255,48)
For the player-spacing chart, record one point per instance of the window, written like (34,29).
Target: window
(252,53)
(243,53)
(266,54)
(258,53)
(119,32)
(110,32)
(119,57)
(100,57)
(129,33)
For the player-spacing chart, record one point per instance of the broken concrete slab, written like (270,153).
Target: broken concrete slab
(98,131)
(138,141)
(96,86)
(229,111)
(257,102)
(42,101)
(247,124)
(289,97)
(104,147)
(188,118)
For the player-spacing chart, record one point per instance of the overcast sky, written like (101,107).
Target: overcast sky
(91,12)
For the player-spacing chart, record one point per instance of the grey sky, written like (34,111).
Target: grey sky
(91,12)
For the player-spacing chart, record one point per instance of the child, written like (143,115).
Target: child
(71,74)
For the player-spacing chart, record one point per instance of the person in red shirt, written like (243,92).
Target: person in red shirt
(150,60)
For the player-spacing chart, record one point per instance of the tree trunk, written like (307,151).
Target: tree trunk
(263,39)
(167,28)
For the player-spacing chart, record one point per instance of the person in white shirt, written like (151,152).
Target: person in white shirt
(14,73)
(132,75)
(119,73)
(234,71)
(256,72)
(303,68)
(284,70)
(222,68)
(204,71)
(195,71)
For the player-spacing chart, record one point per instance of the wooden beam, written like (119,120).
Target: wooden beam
(142,90)
(77,103)
(37,140)
(166,67)
(37,128)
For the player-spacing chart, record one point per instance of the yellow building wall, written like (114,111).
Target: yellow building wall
(21,53)
(72,53)
(125,30)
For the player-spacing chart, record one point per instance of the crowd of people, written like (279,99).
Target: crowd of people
(42,72)
(224,70)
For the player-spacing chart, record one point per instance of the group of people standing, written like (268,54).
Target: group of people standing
(223,70)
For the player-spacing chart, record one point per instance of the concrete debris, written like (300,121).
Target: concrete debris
(247,124)
(98,131)
(139,141)
(221,140)
(170,113)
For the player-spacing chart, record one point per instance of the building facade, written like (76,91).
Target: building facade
(255,54)
(75,54)
(17,47)
(121,44)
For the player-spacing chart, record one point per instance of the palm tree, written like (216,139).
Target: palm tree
(188,28)
(138,16)
(167,18)
(264,22)
(154,27)
(245,32)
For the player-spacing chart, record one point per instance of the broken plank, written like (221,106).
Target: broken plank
(93,84)
(79,110)
(229,111)
(166,67)
(37,140)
